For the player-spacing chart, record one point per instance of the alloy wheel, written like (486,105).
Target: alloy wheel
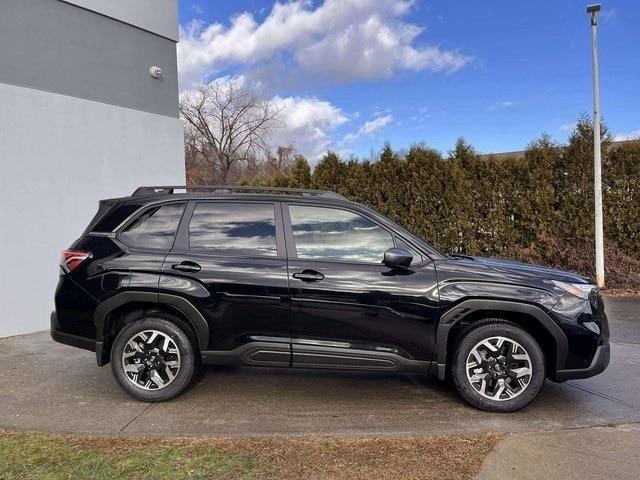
(151,360)
(499,368)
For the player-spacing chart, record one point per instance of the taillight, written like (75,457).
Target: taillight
(72,259)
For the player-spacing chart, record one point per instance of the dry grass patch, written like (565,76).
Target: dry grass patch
(48,456)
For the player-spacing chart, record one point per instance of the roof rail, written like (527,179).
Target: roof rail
(231,189)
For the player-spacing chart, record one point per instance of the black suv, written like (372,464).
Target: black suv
(161,282)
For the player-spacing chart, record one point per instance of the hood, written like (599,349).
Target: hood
(527,269)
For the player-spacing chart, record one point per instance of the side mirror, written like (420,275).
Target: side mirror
(397,258)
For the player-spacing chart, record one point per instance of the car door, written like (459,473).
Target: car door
(229,261)
(348,309)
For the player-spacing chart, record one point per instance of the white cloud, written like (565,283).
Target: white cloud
(307,124)
(377,111)
(635,135)
(369,128)
(341,40)
(422,115)
(503,104)
(567,127)
(373,126)
(374,49)
(607,15)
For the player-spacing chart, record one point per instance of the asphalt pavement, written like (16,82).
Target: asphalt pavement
(46,386)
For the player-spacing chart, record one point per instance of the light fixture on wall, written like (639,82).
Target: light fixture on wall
(155,72)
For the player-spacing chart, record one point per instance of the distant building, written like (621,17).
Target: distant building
(520,153)
(84,115)
(503,155)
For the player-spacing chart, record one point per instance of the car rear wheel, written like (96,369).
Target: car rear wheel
(498,366)
(152,358)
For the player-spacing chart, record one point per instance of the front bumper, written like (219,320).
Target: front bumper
(586,328)
(598,365)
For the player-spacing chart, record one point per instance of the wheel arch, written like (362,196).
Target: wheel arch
(109,312)
(531,318)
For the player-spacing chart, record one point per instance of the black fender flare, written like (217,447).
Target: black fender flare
(181,304)
(459,312)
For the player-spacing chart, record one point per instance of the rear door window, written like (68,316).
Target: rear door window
(155,228)
(242,228)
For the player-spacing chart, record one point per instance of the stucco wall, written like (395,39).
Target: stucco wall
(59,156)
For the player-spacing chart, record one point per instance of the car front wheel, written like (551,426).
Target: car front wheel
(498,367)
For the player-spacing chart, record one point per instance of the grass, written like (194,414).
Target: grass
(28,456)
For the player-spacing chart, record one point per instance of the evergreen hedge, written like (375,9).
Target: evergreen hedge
(538,208)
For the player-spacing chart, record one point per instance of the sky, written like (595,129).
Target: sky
(351,75)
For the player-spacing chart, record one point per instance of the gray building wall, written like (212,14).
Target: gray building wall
(81,119)
(54,46)
(157,16)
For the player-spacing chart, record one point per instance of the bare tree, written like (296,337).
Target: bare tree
(226,124)
(281,161)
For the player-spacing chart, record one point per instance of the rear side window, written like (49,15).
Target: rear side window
(234,229)
(155,228)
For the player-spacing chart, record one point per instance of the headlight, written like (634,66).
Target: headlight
(580,290)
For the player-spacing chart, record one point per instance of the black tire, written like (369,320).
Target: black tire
(497,328)
(165,324)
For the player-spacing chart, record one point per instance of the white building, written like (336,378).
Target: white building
(81,118)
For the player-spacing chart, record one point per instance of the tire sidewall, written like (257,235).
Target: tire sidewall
(187,358)
(494,329)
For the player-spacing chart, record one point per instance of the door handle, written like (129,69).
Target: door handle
(187,266)
(308,276)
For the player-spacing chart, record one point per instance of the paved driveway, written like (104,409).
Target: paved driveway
(52,387)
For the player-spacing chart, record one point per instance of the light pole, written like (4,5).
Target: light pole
(593,10)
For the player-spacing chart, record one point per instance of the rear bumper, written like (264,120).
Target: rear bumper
(69,339)
(598,365)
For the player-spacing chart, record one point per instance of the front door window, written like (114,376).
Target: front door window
(322,233)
